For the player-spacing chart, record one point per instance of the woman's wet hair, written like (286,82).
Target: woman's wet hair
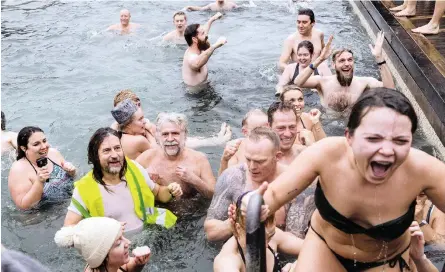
(308,12)
(23,139)
(3,121)
(289,88)
(308,45)
(190,32)
(93,153)
(381,98)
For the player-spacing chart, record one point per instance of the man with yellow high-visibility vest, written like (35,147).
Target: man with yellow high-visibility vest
(119,188)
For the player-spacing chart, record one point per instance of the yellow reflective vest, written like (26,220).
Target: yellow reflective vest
(143,198)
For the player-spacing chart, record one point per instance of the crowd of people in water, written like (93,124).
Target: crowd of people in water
(367,201)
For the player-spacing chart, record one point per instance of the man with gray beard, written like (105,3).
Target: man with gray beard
(172,162)
(339,92)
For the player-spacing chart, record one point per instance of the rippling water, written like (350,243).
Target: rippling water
(61,70)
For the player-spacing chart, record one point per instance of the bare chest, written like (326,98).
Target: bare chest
(340,98)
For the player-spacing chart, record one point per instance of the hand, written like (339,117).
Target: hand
(265,212)
(377,50)
(123,224)
(187,8)
(220,42)
(231,213)
(175,189)
(142,260)
(43,173)
(416,249)
(225,134)
(306,137)
(68,167)
(314,116)
(231,149)
(420,212)
(217,16)
(184,173)
(327,51)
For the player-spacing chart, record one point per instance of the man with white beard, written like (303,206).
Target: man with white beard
(339,92)
(172,162)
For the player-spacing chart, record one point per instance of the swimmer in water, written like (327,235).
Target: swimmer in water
(125,27)
(9,138)
(218,5)
(305,32)
(194,65)
(339,92)
(177,36)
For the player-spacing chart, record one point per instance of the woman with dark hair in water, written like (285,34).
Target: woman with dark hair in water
(40,172)
(367,188)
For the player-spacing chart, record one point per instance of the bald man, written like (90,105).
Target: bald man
(124,26)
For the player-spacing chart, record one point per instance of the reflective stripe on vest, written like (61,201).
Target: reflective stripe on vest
(143,198)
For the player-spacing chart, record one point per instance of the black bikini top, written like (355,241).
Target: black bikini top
(387,231)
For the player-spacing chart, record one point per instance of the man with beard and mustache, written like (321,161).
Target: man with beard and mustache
(125,27)
(305,32)
(172,162)
(194,66)
(339,92)
(116,187)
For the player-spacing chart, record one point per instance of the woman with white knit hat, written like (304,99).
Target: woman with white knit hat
(100,242)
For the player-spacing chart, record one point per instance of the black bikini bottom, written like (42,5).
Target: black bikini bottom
(355,266)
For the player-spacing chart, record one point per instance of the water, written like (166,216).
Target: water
(60,71)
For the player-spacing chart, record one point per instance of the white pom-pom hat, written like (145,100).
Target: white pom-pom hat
(93,237)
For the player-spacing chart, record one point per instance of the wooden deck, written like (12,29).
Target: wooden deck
(419,59)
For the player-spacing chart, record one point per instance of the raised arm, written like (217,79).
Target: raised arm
(284,79)
(385,73)
(209,23)
(196,62)
(285,53)
(196,8)
(435,187)
(229,155)
(224,135)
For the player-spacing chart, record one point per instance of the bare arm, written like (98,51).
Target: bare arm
(196,8)
(226,262)
(387,80)
(196,62)
(288,243)
(132,266)
(68,167)
(324,70)
(285,78)
(162,193)
(285,54)
(14,139)
(72,218)
(435,187)
(206,183)
(209,23)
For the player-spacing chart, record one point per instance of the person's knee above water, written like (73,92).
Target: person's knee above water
(194,65)
(125,26)
(177,36)
(431,221)
(234,151)
(133,128)
(262,155)
(305,53)
(305,32)
(102,245)
(308,122)
(9,138)
(368,183)
(40,173)
(339,92)
(171,161)
(232,255)
(218,5)
(150,129)
(119,188)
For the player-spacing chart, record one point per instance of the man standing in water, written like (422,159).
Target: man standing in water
(177,36)
(172,162)
(194,66)
(218,5)
(306,32)
(339,92)
(125,27)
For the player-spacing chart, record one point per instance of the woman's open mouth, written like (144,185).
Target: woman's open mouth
(380,169)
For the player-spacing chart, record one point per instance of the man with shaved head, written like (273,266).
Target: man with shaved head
(124,26)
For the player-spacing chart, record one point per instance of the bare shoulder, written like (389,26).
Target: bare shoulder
(19,166)
(55,155)
(197,155)
(423,163)
(291,38)
(298,148)
(147,156)
(318,32)
(329,147)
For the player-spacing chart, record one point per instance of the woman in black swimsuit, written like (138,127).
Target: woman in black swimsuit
(368,183)
(232,255)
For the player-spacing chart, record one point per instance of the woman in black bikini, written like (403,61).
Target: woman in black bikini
(232,255)
(368,183)
(31,185)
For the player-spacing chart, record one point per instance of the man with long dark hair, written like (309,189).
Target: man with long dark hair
(118,187)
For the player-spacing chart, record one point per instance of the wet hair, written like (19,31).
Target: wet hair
(190,32)
(381,98)
(179,13)
(93,153)
(3,121)
(279,106)
(308,12)
(23,139)
(178,119)
(126,94)
(289,88)
(339,52)
(308,45)
(253,112)
(260,133)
